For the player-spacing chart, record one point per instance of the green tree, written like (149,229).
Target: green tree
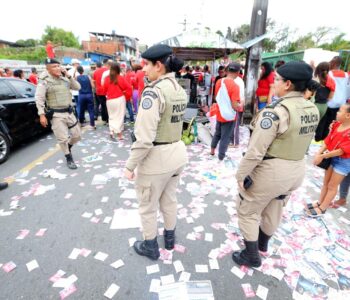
(219,32)
(60,36)
(240,34)
(28,43)
(338,43)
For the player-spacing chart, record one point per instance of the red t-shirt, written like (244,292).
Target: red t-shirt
(33,79)
(264,85)
(97,77)
(131,78)
(233,92)
(113,91)
(330,83)
(140,75)
(49,51)
(338,140)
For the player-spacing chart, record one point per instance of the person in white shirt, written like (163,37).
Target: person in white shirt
(74,74)
(106,73)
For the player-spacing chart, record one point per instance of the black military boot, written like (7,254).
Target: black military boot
(263,241)
(249,256)
(147,248)
(3,185)
(70,162)
(169,239)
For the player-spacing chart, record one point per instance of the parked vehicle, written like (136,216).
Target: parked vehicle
(19,118)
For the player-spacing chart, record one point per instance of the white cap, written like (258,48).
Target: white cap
(75,61)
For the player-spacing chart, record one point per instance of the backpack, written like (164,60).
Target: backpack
(224,102)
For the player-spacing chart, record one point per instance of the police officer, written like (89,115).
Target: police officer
(54,102)
(274,165)
(158,153)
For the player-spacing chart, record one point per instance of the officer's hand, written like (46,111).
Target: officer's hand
(317,159)
(129,175)
(43,121)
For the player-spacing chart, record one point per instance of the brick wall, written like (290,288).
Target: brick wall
(108,47)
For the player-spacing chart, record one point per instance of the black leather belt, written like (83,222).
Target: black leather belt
(61,110)
(163,143)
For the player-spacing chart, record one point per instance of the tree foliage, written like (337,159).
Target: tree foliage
(28,43)
(60,37)
(284,39)
(33,54)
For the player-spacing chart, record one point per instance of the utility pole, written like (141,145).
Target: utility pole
(257,28)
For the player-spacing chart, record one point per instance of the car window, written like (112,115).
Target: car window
(5,91)
(23,88)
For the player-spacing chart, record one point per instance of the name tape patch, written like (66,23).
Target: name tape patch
(150,94)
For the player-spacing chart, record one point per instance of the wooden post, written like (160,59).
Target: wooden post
(257,28)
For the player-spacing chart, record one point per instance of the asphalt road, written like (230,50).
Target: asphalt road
(61,213)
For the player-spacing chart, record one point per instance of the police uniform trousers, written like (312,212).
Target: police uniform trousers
(66,129)
(262,203)
(155,191)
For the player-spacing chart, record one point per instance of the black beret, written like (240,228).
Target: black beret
(157,52)
(50,61)
(296,71)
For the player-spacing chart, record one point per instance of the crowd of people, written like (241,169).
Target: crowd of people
(295,103)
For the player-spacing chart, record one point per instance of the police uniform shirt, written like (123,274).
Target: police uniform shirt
(40,94)
(269,123)
(148,158)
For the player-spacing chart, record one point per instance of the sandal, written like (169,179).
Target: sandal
(312,205)
(314,214)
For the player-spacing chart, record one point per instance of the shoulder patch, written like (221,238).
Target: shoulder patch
(271,115)
(146,103)
(150,94)
(266,123)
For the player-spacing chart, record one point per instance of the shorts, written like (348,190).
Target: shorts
(341,165)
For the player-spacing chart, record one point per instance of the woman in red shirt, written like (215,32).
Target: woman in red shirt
(265,85)
(117,89)
(337,147)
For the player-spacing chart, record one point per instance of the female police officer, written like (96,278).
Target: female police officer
(274,164)
(158,153)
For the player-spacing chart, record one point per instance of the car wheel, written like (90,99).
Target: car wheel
(4,147)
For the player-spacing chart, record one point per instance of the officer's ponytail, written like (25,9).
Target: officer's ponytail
(173,64)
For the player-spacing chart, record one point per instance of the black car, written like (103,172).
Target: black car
(19,118)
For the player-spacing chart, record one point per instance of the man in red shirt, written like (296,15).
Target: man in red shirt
(224,128)
(33,77)
(100,93)
(50,49)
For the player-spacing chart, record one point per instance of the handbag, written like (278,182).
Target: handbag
(326,162)
(224,102)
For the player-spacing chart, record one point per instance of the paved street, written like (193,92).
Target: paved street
(79,209)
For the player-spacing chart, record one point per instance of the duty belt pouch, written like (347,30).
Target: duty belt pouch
(49,114)
(133,137)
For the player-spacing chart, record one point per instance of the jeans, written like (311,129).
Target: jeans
(97,107)
(77,107)
(130,111)
(102,100)
(223,133)
(86,101)
(344,187)
(135,96)
(235,131)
